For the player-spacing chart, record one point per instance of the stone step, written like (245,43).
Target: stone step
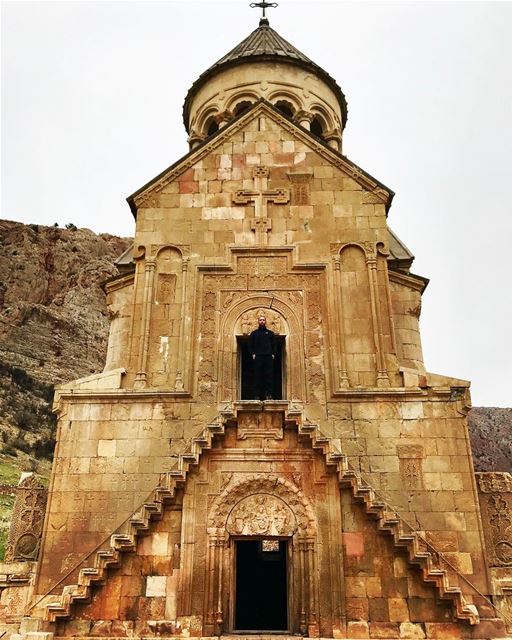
(252,637)
(258,636)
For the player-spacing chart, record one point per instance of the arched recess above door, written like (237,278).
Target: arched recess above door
(275,494)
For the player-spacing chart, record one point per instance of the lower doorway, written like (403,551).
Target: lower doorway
(261,593)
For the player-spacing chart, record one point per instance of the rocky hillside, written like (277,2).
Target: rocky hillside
(53,324)
(490,430)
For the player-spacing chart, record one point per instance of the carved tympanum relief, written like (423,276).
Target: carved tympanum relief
(243,487)
(249,321)
(261,514)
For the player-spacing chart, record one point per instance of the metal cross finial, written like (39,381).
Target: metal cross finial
(263,5)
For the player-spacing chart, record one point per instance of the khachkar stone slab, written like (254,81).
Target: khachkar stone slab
(495,493)
(27,520)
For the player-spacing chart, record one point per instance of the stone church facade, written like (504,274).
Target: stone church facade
(347,506)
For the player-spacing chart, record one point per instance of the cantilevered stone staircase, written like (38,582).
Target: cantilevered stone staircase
(434,568)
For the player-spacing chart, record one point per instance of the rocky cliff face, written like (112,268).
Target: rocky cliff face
(53,321)
(53,317)
(54,328)
(490,429)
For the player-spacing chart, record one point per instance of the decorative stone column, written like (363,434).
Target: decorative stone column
(304,118)
(341,365)
(333,139)
(178,384)
(149,277)
(371,262)
(214,580)
(195,139)
(309,600)
(223,118)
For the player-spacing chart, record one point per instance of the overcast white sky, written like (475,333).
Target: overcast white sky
(91,110)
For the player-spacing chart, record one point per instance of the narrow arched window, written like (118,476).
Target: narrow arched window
(242,107)
(211,127)
(285,108)
(317,127)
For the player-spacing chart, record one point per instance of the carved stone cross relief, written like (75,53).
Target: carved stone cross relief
(261,196)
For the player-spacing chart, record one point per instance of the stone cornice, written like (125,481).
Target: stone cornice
(120,282)
(418,283)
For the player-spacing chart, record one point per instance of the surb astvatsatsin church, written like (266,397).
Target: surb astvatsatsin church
(343,506)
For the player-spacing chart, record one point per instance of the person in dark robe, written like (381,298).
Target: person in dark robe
(262,347)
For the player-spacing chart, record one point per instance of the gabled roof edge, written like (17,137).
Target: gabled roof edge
(247,116)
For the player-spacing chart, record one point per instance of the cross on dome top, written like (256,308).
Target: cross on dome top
(263,5)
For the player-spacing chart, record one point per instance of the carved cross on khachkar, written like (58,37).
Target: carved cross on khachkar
(261,196)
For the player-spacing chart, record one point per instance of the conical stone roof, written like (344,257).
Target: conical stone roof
(263,41)
(264,44)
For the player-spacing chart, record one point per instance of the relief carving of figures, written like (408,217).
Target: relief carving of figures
(275,324)
(246,324)
(249,321)
(261,514)
(231,296)
(263,505)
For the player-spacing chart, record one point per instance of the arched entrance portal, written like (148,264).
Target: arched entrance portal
(261,558)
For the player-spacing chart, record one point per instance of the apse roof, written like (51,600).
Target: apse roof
(264,44)
(398,252)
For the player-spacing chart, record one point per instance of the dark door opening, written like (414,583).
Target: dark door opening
(261,602)
(246,369)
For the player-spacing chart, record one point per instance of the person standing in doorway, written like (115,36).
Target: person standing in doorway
(262,347)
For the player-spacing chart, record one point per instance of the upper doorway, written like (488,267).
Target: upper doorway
(261,585)
(246,385)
